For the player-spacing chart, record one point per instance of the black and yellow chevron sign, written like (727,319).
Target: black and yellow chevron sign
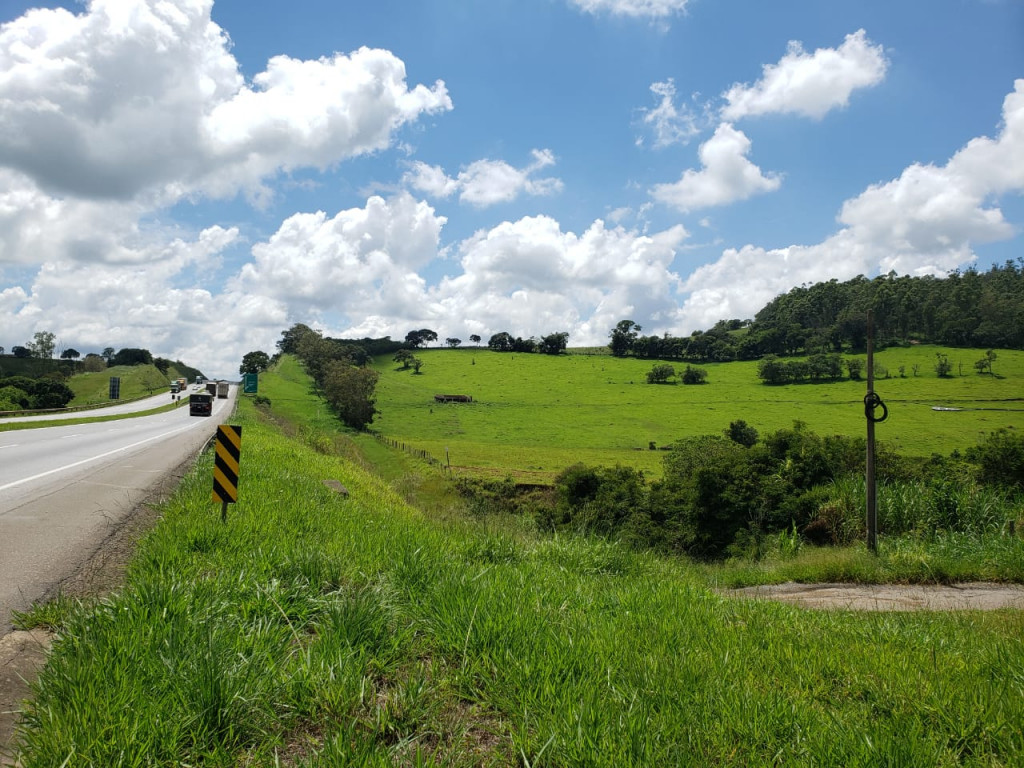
(225,464)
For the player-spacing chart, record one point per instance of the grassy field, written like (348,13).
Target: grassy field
(533,415)
(136,381)
(313,629)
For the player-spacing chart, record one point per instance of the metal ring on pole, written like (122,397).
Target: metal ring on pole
(871,402)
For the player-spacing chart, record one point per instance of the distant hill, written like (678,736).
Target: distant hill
(968,309)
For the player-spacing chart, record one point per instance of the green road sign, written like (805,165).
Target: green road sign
(250,381)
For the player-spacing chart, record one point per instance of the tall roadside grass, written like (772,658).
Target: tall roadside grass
(938,532)
(317,629)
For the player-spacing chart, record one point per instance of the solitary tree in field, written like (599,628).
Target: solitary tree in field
(475,339)
(452,342)
(990,355)
(405,357)
(942,365)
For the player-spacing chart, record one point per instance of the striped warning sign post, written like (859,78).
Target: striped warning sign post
(227,452)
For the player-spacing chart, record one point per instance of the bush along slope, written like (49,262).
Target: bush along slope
(315,628)
(721,497)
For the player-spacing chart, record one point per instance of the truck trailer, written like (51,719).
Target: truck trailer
(222,389)
(200,404)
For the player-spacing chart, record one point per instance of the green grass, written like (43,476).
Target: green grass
(312,629)
(945,558)
(136,381)
(533,415)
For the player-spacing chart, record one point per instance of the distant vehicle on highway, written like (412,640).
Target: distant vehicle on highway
(200,404)
(222,389)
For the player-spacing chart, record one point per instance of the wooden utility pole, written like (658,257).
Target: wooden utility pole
(869,412)
(871,402)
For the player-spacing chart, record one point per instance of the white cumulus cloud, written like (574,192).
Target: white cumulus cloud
(922,222)
(653,9)
(726,176)
(486,182)
(139,98)
(156,304)
(528,277)
(356,262)
(810,84)
(669,124)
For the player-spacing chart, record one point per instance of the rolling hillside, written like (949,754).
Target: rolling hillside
(535,414)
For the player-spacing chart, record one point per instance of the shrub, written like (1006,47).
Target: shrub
(741,432)
(13,399)
(1000,458)
(694,375)
(660,374)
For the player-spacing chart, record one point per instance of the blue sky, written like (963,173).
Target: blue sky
(195,177)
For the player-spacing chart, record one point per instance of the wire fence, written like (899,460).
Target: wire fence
(411,450)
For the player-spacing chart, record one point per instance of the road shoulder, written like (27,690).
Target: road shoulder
(22,654)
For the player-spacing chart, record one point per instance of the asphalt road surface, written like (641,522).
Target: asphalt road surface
(135,406)
(64,489)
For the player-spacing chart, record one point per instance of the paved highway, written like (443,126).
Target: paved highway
(135,406)
(63,489)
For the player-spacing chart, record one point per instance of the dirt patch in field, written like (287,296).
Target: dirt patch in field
(973,596)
